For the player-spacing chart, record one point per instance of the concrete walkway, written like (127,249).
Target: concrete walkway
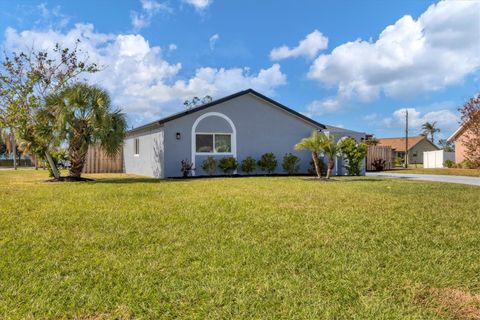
(474,181)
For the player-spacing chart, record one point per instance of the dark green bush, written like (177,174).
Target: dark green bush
(449,163)
(228,165)
(354,153)
(209,165)
(290,163)
(267,162)
(248,165)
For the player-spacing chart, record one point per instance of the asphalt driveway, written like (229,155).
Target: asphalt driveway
(475,181)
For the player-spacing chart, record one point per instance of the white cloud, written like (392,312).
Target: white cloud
(52,18)
(213,40)
(138,77)
(199,4)
(446,120)
(172,47)
(411,56)
(150,8)
(308,47)
(319,107)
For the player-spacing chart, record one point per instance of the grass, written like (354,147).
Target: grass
(245,248)
(442,171)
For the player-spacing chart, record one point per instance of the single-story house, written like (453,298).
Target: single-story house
(243,124)
(416,147)
(459,137)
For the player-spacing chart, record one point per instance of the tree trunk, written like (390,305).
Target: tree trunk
(331,165)
(35,162)
(56,175)
(317,165)
(14,148)
(77,160)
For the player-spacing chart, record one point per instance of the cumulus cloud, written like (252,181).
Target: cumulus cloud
(446,120)
(213,40)
(308,47)
(137,75)
(199,4)
(150,8)
(319,107)
(411,56)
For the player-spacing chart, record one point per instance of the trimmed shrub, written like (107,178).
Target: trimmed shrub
(449,163)
(267,162)
(290,163)
(248,165)
(467,164)
(209,165)
(228,164)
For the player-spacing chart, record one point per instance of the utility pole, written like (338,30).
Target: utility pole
(406,139)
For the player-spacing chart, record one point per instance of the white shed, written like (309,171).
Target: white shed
(436,159)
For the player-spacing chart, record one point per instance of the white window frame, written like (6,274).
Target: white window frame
(214,153)
(233,137)
(136,147)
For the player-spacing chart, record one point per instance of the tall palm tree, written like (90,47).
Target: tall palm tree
(314,144)
(430,129)
(84,116)
(330,150)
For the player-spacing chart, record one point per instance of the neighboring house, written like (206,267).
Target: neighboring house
(416,147)
(243,124)
(459,137)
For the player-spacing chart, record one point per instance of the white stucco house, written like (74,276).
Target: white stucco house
(243,124)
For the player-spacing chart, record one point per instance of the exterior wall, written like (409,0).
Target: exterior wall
(150,160)
(460,147)
(260,128)
(419,149)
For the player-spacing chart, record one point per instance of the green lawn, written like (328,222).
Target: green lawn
(444,171)
(246,248)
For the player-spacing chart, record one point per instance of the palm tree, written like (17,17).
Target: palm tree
(330,150)
(430,129)
(314,144)
(83,116)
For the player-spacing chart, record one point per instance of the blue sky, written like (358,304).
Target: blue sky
(355,64)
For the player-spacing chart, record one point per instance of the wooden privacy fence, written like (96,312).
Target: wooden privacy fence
(379,152)
(97,161)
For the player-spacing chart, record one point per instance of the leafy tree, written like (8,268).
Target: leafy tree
(371,141)
(82,115)
(314,145)
(430,129)
(209,165)
(196,101)
(290,163)
(446,145)
(267,162)
(330,149)
(25,81)
(470,115)
(354,153)
(248,165)
(228,165)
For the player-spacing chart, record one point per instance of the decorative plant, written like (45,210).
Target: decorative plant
(209,165)
(186,168)
(378,164)
(267,162)
(290,163)
(330,149)
(228,165)
(248,165)
(449,163)
(354,153)
(314,145)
